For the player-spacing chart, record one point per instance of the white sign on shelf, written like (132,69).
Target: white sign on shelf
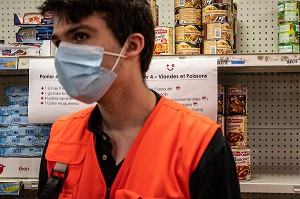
(191,82)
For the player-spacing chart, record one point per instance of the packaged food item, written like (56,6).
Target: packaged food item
(221,122)
(234,10)
(14,120)
(18,100)
(217,47)
(21,151)
(288,11)
(289,33)
(8,63)
(289,48)
(236,130)
(163,41)
(236,100)
(32,18)
(186,3)
(221,99)
(21,131)
(156,15)
(154,11)
(28,34)
(215,18)
(188,33)
(188,48)
(286,38)
(47,18)
(188,16)
(242,161)
(234,47)
(218,31)
(210,2)
(14,110)
(16,90)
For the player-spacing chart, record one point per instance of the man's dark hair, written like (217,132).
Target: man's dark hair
(122,16)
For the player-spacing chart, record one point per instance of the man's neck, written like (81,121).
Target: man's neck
(124,116)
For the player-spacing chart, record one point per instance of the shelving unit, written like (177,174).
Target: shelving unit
(273,82)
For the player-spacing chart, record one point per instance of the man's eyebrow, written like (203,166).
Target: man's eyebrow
(74,28)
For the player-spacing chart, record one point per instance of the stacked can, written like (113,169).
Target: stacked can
(188,31)
(236,128)
(154,11)
(217,19)
(163,42)
(236,115)
(221,107)
(288,27)
(234,26)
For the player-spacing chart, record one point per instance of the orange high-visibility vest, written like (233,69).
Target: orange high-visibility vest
(159,163)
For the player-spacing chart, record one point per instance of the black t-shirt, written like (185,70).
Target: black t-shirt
(214,177)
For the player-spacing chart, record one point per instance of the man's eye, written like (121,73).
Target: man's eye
(80,36)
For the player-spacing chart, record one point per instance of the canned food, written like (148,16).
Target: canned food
(218,31)
(188,48)
(221,99)
(289,48)
(217,9)
(234,10)
(242,161)
(207,18)
(186,3)
(209,2)
(235,26)
(189,33)
(216,13)
(153,6)
(221,122)
(288,11)
(234,43)
(163,41)
(188,16)
(236,100)
(236,130)
(217,47)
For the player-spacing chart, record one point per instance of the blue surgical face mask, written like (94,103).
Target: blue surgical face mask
(80,72)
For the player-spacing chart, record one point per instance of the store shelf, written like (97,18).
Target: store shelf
(259,62)
(235,63)
(272,183)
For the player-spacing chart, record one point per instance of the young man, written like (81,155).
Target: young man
(134,143)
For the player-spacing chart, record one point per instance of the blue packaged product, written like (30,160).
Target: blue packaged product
(17,141)
(14,110)
(44,33)
(46,130)
(21,100)
(17,110)
(9,189)
(38,151)
(16,90)
(40,141)
(20,152)
(14,120)
(21,131)
(3,110)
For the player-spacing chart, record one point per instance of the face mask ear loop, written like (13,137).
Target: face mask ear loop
(121,54)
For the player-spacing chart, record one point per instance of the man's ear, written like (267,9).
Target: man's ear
(136,44)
